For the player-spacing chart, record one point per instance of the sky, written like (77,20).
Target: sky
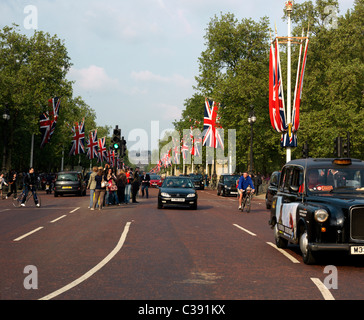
(135,61)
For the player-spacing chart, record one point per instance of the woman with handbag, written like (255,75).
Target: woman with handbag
(112,197)
(100,189)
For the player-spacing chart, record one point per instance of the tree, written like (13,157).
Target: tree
(234,72)
(32,71)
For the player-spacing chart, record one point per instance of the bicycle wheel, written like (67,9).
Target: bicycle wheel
(17,200)
(248,202)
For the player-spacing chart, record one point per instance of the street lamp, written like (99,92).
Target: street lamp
(6,117)
(252,119)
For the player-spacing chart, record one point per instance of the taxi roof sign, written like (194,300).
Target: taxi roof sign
(342,162)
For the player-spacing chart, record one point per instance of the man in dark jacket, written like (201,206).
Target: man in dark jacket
(30,181)
(145,180)
(135,185)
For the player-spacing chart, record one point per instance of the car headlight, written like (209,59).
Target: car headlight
(191,195)
(166,195)
(321,215)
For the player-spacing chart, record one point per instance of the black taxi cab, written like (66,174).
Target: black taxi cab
(320,206)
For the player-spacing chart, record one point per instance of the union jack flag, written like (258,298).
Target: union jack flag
(192,142)
(184,149)
(176,151)
(212,136)
(102,152)
(78,139)
(298,92)
(110,156)
(92,145)
(276,97)
(48,121)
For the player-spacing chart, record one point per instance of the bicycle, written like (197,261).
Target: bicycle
(247,200)
(18,200)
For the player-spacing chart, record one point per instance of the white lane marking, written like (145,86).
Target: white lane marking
(286,254)
(75,210)
(4,210)
(61,217)
(247,231)
(94,269)
(323,289)
(28,234)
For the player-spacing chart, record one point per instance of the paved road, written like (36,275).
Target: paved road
(140,252)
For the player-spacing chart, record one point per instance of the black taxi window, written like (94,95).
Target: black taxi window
(331,180)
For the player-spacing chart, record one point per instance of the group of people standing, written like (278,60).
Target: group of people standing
(107,187)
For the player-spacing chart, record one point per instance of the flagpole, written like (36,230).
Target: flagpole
(289,107)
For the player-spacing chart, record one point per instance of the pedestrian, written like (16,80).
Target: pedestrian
(112,188)
(30,182)
(145,181)
(91,185)
(121,183)
(257,182)
(129,177)
(100,189)
(12,183)
(135,186)
(2,183)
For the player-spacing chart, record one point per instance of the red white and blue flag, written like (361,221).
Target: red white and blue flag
(176,151)
(298,91)
(276,97)
(101,152)
(184,148)
(48,120)
(78,139)
(92,145)
(212,137)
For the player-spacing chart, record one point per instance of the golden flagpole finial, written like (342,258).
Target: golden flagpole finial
(289,5)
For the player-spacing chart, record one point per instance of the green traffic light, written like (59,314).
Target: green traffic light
(116,146)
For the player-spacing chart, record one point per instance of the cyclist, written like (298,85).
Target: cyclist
(30,181)
(244,181)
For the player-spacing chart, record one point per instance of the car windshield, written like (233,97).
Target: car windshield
(230,179)
(155,177)
(177,183)
(67,177)
(329,180)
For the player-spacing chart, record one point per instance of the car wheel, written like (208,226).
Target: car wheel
(194,206)
(55,194)
(280,242)
(160,206)
(307,255)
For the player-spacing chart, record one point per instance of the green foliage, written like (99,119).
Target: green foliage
(234,71)
(33,70)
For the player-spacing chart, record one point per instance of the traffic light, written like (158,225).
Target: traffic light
(338,147)
(305,150)
(115,140)
(123,147)
(346,147)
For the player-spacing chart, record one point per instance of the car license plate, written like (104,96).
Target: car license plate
(66,187)
(233,193)
(178,200)
(357,250)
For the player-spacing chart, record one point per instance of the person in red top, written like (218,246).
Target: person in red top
(129,176)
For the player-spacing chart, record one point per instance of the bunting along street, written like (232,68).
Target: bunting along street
(138,252)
